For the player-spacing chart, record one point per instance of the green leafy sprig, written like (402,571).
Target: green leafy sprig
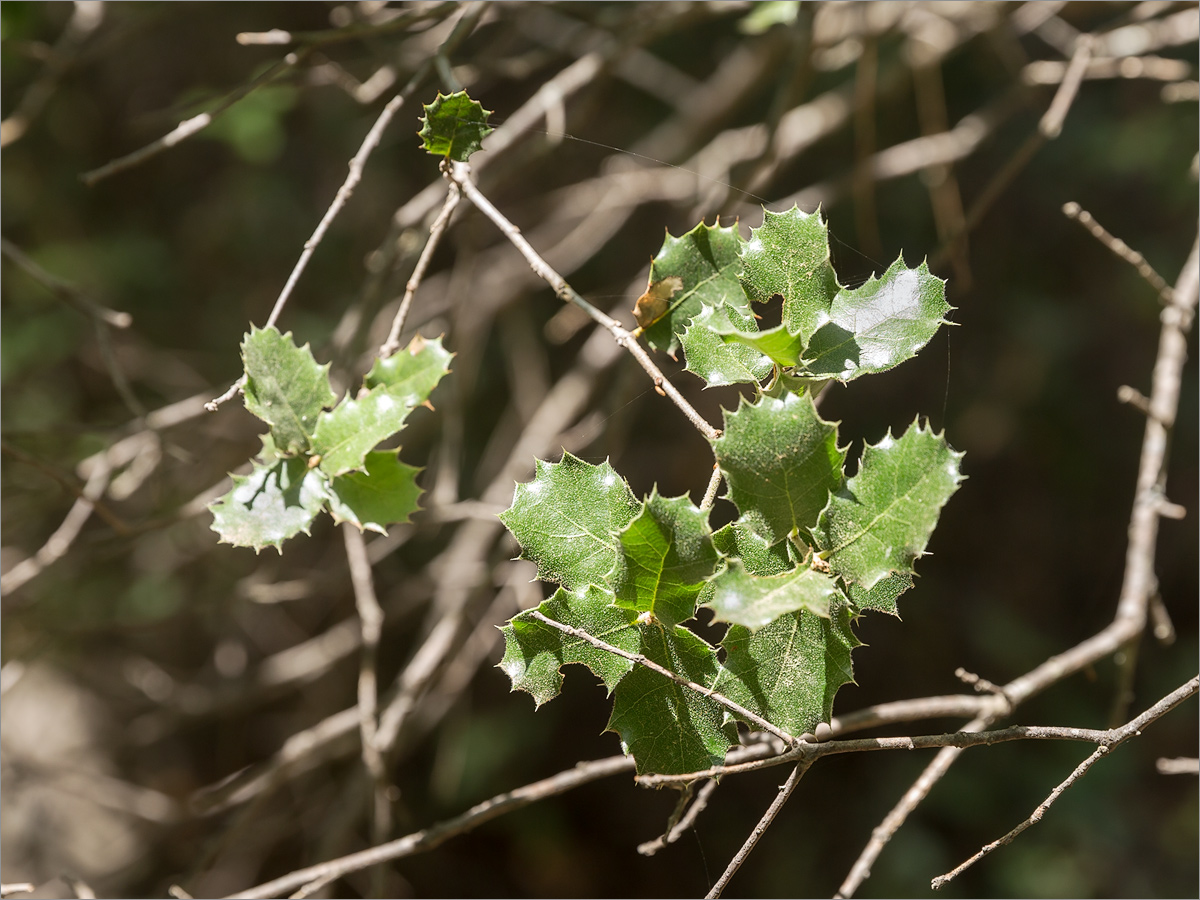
(319,453)
(810,549)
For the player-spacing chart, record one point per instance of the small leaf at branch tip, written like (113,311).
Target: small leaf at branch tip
(454,126)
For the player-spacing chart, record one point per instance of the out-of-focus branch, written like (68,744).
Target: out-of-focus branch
(431,837)
(85,19)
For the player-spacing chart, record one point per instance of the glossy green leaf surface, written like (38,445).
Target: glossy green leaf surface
(878,325)
(569,518)
(789,255)
(716,359)
(780,460)
(706,260)
(411,374)
(395,387)
(739,540)
(384,493)
(789,671)
(880,522)
(534,652)
(454,126)
(882,596)
(666,553)
(284,387)
(756,600)
(271,504)
(667,727)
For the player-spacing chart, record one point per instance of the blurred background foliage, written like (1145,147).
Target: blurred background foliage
(148,663)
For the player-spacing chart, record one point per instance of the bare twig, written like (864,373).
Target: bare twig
(1114,738)
(1049,127)
(682,818)
(710,492)
(357,163)
(403,19)
(917,792)
(64,290)
(810,751)
(67,482)
(1118,247)
(189,127)
(1179,766)
(60,542)
(431,837)
(392,344)
(640,659)
(17,887)
(785,791)
(461,174)
(370,616)
(1139,580)
(85,19)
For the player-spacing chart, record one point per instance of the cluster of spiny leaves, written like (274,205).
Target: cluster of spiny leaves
(319,456)
(320,453)
(810,550)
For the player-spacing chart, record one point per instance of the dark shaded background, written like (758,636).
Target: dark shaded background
(130,665)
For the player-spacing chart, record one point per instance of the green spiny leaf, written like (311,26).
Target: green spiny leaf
(534,652)
(880,522)
(706,261)
(284,387)
(666,553)
(878,325)
(667,727)
(739,540)
(454,126)
(384,493)
(789,255)
(567,520)
(271,504)
(777,344)
(780,460)
(714,359)
(412,373)
(789,671)
(755,600)
(397,385)
(882,597)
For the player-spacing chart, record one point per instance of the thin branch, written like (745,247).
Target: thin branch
(357,163)
(811,751)
(230,392)
(1049,128)
(1117,736)
(64,290)
(1138,581)
(63,537)
(683,818)
(402,20)
(370,615)
(1118,247)
(1183,765)
(436,230)
(189,127)
(461,174)
(85,19)
(431,837)
(785,791)
(102,510)
(917,792)
(710,493)
(736,708)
